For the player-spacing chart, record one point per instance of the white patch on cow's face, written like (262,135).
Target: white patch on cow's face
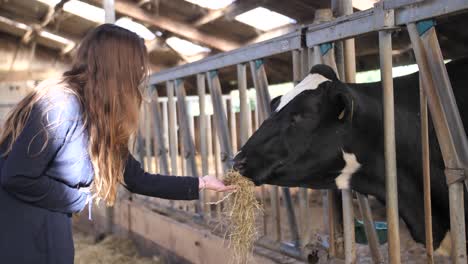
(445,247)
(310,82)
(351,166)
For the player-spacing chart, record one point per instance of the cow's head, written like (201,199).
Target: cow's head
(302,142)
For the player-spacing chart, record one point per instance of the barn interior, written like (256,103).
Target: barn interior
(40,37)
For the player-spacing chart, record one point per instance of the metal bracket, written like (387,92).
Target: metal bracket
(454,175)
(384,18)
(324,48)
(425,25)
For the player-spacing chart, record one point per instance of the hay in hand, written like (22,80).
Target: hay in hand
(241,211)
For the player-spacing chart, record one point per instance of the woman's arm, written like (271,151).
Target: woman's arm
(156,185)
(25,171)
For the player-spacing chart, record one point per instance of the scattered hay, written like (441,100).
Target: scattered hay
(111,250)
(241,210)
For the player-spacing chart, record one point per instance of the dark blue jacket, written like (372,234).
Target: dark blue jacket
(40,184)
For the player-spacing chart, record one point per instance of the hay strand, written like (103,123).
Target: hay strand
(241,211)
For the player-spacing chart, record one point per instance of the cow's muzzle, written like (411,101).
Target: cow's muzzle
(240,162)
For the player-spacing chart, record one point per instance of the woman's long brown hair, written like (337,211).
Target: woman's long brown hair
(110,65)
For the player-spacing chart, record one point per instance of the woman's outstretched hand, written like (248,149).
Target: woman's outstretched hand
(212,183)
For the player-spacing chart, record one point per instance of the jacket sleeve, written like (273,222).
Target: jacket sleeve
(156,185)
(25,171)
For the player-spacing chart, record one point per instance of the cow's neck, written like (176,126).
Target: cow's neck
(367,143)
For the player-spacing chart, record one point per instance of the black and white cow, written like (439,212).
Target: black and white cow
(326,134)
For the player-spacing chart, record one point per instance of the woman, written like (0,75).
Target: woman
(66,143)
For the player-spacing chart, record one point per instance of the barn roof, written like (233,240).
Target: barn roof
(182,31)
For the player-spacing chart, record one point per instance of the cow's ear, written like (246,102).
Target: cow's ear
(274,103)
(343,103)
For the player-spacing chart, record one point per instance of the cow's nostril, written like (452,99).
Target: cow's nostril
(240,164)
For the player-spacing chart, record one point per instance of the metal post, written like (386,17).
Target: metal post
(147,122)
(109,11)
(203,135)
(232,124)
(217,162)
(211,159)
(445,118)
(172,129)
(161,150)
(299,72)
(369,228)
(426,166)
(385,50)
(184,125)
(245,113)
(220,118)
(172,114)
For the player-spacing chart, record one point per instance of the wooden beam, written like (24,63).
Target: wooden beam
(130,9)
(16,76)
(21,29)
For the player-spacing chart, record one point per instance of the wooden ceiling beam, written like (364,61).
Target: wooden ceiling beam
(17,76)
(20,29)
(130,9)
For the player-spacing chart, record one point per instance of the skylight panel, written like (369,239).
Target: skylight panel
(135,27)
(186,47)
(85,10)
(211,4)
(264,19)
(80,9)
(364,4)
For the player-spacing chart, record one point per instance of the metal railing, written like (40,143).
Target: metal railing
(216,134)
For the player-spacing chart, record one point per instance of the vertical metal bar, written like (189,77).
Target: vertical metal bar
(331,213)
(220,118)
(436,89)
(298,73)
(218,163)
(232,124)
(184,124)
(147,120)
(172,115)
(369,228)
(210,156)
(304,192)
(203,135)
(426,166)
(159,135)
(172,129)
(317,58)
(348,227)
(109,11)
(385,50)
(165,125)
(245,113)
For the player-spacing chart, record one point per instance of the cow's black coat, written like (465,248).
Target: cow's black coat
(302,145)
